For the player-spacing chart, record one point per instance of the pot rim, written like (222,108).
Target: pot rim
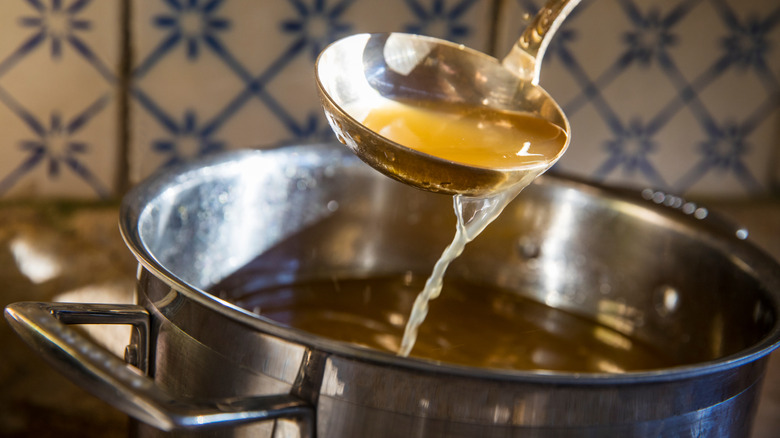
(752,259)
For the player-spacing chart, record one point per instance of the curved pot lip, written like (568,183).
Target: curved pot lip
(135,201)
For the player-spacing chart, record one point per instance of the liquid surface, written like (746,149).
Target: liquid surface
(470,325)
(476,136)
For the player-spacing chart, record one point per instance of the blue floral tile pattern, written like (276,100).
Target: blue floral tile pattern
(212,75)
(59,98)
(682,95)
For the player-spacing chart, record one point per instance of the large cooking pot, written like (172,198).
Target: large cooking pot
(651,266)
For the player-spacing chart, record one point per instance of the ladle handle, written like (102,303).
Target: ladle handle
(42,326)
(525,58)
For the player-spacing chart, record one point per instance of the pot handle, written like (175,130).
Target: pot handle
(127,388)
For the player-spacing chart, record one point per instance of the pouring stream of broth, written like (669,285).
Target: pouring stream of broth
(473,136)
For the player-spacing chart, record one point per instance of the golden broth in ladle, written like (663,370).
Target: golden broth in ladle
(473,135)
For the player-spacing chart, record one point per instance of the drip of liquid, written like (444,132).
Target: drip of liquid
(475,136)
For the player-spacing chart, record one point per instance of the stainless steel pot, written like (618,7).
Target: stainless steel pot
(652,266)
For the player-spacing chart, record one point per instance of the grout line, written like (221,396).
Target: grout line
(495,8)
(122,181)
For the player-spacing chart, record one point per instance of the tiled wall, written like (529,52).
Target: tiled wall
(209,75)
(95,95)
(60,98)
(683,95)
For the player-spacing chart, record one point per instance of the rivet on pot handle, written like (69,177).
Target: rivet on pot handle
(43,327)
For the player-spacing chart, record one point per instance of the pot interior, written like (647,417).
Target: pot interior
(615,283)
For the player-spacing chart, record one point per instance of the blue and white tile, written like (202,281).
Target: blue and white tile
(59,98)
(682,95)
(212,75)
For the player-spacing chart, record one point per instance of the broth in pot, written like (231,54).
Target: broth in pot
(471,324)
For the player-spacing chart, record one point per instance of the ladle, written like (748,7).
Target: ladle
(358,72)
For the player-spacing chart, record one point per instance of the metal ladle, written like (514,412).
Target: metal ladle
(359,72)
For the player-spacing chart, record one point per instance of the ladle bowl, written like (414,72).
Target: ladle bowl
(359,72)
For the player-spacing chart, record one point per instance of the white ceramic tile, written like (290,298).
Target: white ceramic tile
(679,95)
(59,101)
(227,74)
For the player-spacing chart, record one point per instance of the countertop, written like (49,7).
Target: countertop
(74,253)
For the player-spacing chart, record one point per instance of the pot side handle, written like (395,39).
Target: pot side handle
(127,388)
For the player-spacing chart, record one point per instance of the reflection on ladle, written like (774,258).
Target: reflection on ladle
(363,73)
